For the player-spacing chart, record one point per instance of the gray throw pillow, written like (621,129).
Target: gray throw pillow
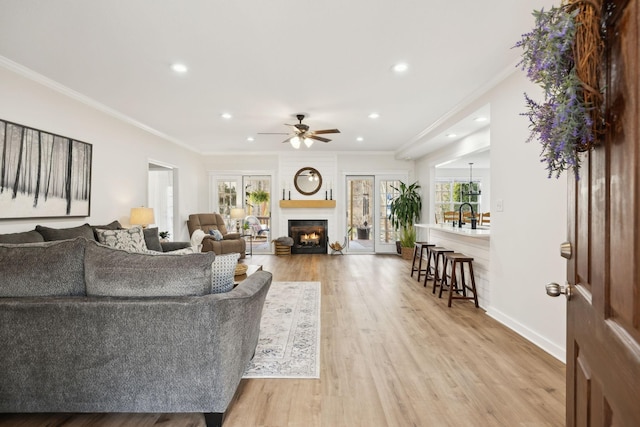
(152,239)
(224,267)
(24,237)
(128,239)
(117,273)
(217,235)
(42,269)
(52,234)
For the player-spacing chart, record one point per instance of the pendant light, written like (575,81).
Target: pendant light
(469,192)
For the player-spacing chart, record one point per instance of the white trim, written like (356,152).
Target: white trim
(51,84)
(553,349)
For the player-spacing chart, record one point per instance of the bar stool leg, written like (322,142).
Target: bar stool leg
(420,270)
(426,275)
(413,264)
(453,282)
(443,279)
(473,285)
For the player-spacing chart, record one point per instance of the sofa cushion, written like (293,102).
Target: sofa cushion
(152,239)
(24,237)
(224,267)
(117,273)
(52,234)
(128,239)
(42,269)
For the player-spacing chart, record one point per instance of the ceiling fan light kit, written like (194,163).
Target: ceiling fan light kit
(303,134)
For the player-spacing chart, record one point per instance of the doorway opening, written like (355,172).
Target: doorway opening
(161,197)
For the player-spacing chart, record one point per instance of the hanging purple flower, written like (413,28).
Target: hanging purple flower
(562,123)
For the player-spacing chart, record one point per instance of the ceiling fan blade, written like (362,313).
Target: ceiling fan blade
(273,133)
(288,139)
(318,138)
(320,132)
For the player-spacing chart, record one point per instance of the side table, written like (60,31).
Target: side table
(250,236)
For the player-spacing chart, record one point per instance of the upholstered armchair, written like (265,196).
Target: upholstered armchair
(230,242)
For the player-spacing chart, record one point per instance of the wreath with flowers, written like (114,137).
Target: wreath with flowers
(562,54)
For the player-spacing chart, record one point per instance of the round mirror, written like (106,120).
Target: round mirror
(308,181)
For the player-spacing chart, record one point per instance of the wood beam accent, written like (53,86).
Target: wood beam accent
(307,203)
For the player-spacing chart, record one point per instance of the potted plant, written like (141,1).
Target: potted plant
(260,198)
(404,211)
(164,236)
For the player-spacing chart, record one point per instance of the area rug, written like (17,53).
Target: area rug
(289,341)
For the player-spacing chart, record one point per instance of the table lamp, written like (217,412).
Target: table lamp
(142,216)
(237,214)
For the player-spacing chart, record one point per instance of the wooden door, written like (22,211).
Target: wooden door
(603,314)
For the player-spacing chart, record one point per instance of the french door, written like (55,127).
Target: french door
(361,228)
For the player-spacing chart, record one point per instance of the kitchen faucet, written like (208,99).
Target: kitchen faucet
(473,216)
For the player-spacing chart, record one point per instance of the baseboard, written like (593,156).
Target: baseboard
(553,349)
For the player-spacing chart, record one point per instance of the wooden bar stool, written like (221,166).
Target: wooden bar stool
(418,251)
(434,256)
(457,284)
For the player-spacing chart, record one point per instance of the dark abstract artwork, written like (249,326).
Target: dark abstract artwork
(42,174)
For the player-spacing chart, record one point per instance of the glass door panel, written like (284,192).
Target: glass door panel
(360,214)
(386,237)
(257,205)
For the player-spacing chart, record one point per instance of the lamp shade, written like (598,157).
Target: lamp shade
(142,216)
(237,213)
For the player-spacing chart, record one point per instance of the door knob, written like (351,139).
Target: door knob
(554,290)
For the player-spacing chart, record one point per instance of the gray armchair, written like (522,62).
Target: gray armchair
(231,242)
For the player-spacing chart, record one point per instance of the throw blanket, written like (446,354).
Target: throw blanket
(196,239)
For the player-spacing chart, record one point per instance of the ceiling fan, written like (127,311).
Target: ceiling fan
(303,134)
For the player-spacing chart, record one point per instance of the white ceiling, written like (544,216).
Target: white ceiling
(265,61)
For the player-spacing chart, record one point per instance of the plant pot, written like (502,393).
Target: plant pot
(407,253)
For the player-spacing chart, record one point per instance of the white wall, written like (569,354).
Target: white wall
(526,235)
(121,152)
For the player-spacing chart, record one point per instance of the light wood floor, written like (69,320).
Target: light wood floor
(392,355)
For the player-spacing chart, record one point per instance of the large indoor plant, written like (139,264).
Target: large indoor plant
(404,211)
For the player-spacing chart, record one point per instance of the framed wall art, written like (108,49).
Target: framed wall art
(42,174)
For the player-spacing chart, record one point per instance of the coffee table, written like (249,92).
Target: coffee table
(251,268)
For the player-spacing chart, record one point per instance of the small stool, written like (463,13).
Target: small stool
(458,284)
(418,251)
(434,255)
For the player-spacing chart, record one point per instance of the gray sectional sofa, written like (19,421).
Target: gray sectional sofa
(87,328)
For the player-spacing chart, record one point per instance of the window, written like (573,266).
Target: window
(227,196)
(452,192)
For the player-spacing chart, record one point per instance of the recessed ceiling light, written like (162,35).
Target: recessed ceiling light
(451,135)
(400,67)
(226,116)
(374,115)
(179,68)
(480,119)
(250,139)
(359,139)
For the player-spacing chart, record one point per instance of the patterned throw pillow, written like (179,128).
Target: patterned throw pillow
(217,235)
(223,268)
(129,239)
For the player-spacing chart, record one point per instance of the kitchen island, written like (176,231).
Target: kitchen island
(472,242)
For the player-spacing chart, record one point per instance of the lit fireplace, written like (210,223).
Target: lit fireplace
(309,236)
